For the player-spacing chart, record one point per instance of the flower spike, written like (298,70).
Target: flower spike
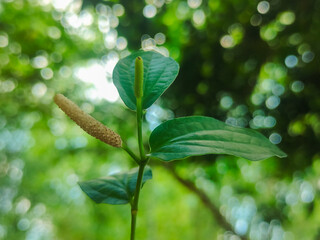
(88,123)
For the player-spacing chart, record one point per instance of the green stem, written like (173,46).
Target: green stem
(139,122)
(134,206)
(142,163)
(131,153)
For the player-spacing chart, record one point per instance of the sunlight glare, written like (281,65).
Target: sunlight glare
(61,5)
(95,73)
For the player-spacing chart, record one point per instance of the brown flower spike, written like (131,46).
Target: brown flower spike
(88,123)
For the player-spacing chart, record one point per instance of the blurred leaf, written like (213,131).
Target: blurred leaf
(115,189)
(191,136)
(159,73)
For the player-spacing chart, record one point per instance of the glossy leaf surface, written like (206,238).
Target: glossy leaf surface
(115,189)
(191,136)
(159,73)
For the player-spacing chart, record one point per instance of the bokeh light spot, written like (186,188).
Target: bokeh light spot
(231,121)
(307,56)
(39,209)
(295,39)
(241,226)
(258,121)
(46,73)
(61,5)
(198,17)
(61,143)
(54,32)
(269,122)
(182,10)
(148,44)
(114,21)
(306,192)
(263,7)
(226,102)
(39,89)
(110,39)
(160,38)
(86,18)
(121,43)
(40,62)
(272,102)
(227,41)
(118,10)
(256,20)
(275,138)
(297,86)
(4,41)
(23,206)
(23,224)
(55,57)
(278,89)
(194,3)
(159,3)
(65,71)
(104,24)
(163,50)
(78,142)
(7,86)
(15,48)
(257,99)
(267,84)
(287,18)
(268,33)
(4,59)
(202,88)
(303,48)
(291,61)
(3,232)
(291,199)
(149,11)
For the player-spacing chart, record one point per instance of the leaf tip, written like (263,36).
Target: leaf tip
(282,154)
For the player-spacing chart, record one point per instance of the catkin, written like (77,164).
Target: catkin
(87,123)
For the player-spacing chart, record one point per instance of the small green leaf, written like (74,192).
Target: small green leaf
(193,136)
(115,189)
(159,73)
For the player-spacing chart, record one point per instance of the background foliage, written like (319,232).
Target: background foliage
(248,63)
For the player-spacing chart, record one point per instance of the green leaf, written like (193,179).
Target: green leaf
(159,73)
(115,189)
(193,136)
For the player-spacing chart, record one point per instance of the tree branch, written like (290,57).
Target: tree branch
(204,199)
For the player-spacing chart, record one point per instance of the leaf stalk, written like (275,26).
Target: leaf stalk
(131,153)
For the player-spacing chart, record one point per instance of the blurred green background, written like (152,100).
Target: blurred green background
(249,63)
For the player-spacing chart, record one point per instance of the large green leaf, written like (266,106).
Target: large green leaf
(191,136)
(159,73)
(114,189)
